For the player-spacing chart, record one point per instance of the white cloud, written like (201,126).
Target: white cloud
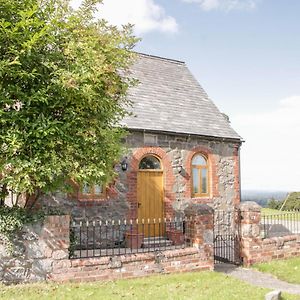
(226,5)
(146,15)
(271,153)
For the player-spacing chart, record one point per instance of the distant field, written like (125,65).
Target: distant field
(262,197)
(281,215)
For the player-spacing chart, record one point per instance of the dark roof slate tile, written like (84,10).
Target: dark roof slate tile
(168,98)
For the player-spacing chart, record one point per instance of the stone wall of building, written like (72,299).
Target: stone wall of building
(176,153)
(256,249)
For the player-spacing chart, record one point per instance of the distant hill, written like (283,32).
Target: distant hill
(262,197)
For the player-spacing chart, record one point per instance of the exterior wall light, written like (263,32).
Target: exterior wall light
(124,164)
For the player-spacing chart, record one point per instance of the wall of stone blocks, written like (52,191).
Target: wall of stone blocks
(175,152)
(195,258)
(254,248)
(36,248)
(41,253)
(131,266)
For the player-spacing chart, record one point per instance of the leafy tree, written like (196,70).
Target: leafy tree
(274,204)
(63,83)
(292,201)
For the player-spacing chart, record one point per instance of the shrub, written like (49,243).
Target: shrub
(274,204)
(292,202)
(12,219)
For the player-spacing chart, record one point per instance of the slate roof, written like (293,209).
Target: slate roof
(168,98)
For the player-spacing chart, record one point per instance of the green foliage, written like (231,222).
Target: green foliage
(274,204)
(292,202)
(12,219)
(63,85)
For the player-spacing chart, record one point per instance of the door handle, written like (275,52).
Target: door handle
(139,204)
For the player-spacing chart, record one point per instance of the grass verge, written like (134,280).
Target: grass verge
(287,269)
(202,285)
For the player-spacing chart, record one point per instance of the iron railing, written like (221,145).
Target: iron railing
(280,224)
(110,238)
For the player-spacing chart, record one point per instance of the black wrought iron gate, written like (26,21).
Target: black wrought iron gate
(227,237)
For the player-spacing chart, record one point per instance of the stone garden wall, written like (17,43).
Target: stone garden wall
(255,248)
(41,253)
(36,250)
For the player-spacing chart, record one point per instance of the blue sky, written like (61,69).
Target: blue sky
(246,55)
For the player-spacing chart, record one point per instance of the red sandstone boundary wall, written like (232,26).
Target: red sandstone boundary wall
(130,266)
(44,254)
(196,258)
(254,249)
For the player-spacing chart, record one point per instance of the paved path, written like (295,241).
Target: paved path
(258,278)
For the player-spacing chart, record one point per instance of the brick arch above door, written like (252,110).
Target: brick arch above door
(169,179)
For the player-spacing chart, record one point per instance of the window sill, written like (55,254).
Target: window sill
(97,199)
(205,199)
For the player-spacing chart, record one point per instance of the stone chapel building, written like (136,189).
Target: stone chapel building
(181,149)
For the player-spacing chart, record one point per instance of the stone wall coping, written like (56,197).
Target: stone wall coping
(198,209)
(250,206)
(282,239)
(84,262)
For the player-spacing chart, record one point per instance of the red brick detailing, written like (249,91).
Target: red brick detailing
(130,266)
(56,234)
(196,258)
(258,250)
(201,224)
(169,179)
(212,174)
(236,154)
(255,249)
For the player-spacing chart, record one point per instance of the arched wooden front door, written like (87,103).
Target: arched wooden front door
(150,193)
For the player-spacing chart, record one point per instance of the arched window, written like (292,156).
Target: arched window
(199,176)
(150,163)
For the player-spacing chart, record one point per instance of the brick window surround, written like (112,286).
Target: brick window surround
(85,198)
(212,174)
(169,179)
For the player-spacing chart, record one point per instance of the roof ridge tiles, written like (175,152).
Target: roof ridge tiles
(161,58)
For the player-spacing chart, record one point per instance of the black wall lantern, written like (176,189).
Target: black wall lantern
(124,164)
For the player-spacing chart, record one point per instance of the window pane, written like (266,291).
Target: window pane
(195,181)
(98,189)
(199,160)
(204,181)
(150,163)
(86,189)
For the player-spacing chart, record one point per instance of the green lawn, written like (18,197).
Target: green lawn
(281,215)
(287,270)
(202,285)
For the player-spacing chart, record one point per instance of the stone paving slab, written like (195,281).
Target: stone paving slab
(258,278)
